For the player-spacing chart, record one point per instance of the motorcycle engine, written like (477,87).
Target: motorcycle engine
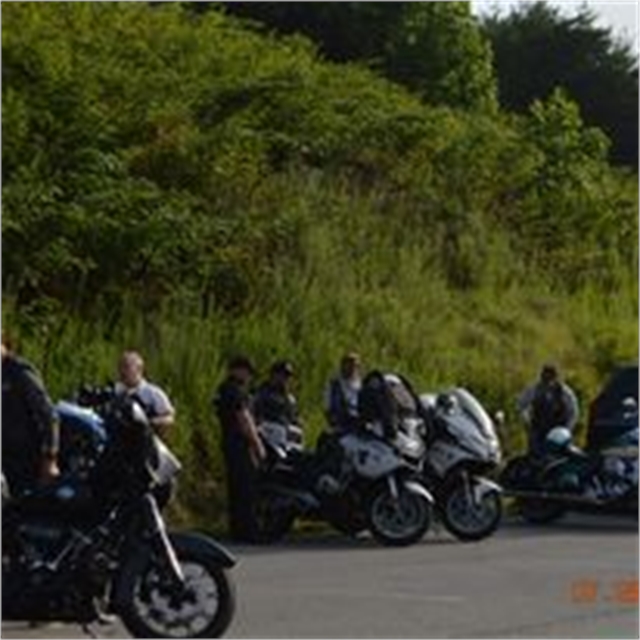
(41,542)
(328,485)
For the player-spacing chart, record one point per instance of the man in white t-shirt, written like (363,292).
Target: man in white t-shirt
(154,400)
(341,395)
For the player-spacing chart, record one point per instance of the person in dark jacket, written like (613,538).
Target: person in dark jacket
(242,448)
(274,401)
(30,436)
(547,404)
(341,395)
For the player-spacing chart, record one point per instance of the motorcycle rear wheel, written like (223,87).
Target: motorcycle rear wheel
(273,520)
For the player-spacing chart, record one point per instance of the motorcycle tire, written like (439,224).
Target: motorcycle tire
(539,511)
(382,510)
(351,529)
(273,521)
(145,597)
(519,473)
(454,501)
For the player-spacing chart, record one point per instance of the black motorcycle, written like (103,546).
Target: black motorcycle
(86,547)
(566,478)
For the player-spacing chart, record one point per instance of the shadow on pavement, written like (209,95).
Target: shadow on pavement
(575,523)
(323,541)
(512,527)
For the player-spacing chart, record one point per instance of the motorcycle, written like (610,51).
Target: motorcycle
(566,478)
(354,481)
(95,544)
(83,437)
(454,441)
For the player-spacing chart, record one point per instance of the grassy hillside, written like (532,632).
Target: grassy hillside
(191,187)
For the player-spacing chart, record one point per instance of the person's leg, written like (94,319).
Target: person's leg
(536,443)
(20,471)
(240,492)
(247,498)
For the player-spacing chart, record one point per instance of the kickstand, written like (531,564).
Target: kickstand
(437,527)
(90,631)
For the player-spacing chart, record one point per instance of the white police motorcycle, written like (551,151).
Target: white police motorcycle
(463,451)
(355,481)
(454,440)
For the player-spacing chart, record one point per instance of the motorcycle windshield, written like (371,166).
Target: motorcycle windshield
(474,410)
(81,418)
(166,465)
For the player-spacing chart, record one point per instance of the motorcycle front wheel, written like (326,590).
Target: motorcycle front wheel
(400,521)
(202,608)
(467,519)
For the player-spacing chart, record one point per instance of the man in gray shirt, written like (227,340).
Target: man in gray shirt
(547,404)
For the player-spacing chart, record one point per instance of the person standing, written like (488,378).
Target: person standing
(154,400)
(548,403)
(242,448)
(341,395)
(274,401)
(30,433)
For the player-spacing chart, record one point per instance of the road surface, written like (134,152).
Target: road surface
(575,579)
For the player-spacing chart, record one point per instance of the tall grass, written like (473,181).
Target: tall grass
(359,279)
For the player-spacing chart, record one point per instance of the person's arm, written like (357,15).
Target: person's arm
(524,402)
(333,403)
(571,403)
(256,408)
(164,411)
(293,404)
(250,432)
(43,415)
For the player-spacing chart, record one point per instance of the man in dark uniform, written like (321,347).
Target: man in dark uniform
(274,401)
(241,446)
(30,438)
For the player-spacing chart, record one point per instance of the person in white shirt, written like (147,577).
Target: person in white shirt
(154,400)
(341,395)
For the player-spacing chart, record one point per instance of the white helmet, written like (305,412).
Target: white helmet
(558,438)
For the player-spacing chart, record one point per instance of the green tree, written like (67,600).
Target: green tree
(435,49)
(343,31)
(438,51)
(537,48)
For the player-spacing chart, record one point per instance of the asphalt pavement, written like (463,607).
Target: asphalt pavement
(577,578)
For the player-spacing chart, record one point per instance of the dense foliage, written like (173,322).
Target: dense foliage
(538,48)
(185,184)
(434,48)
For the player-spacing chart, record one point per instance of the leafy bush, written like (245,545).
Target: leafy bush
(189,186)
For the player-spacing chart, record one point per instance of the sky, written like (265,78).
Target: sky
(619,15)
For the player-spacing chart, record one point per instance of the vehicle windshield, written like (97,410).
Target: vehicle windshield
(470,406)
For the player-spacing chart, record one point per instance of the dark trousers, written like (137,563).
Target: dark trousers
(20,468)
(241,492)
(537,436)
